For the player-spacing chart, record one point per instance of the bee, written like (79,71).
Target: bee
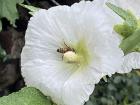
(65,49)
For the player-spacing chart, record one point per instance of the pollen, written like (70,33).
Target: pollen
(70,57)
(80,56)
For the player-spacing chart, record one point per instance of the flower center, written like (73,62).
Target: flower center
(83,53)
(78,53)
(70,57)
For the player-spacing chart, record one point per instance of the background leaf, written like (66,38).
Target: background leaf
(8,10)
(32,9)
(121,89)
(26,96)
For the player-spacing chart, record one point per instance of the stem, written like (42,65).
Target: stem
(55,2)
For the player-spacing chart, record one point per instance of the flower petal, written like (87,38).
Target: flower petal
(104,41)
(79,87)
(112,17)
(131,61)
(48,76)
(42,65)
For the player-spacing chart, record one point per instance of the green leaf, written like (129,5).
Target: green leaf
(130,21)
(137,47)
(129,44)
(32,9)
(26,96)
(8,10)
(0,25)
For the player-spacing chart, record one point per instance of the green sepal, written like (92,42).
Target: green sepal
(26,96)
(129,30)
(124,30)
(130,21)
(129,18)
(137,48)
(129,44)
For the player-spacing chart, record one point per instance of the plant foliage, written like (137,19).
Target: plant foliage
(26,96)
(8,10)
(130,29)
(119,90)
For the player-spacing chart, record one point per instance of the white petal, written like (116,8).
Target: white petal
(131,61)
(103,42)
(132,5)
(42,65)
(48,76)
(111,16)
(79,87)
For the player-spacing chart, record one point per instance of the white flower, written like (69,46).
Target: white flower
(82,33)
(112,16)
(132,60)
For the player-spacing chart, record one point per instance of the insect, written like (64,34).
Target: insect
(65,49)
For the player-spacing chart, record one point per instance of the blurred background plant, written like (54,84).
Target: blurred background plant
(118,90)
(9,11)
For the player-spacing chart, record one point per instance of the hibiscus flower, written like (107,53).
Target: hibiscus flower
(68,50)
